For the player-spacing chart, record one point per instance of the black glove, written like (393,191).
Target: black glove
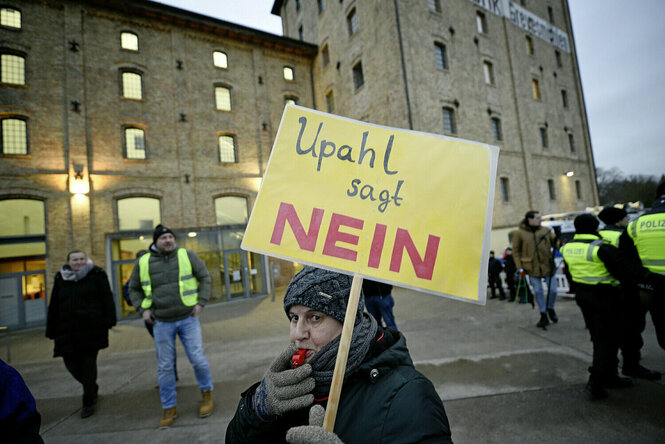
(282,388)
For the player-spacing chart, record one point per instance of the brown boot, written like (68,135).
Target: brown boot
(168,416)
(206,404)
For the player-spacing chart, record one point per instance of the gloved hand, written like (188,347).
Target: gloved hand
(283,388)
(314,433)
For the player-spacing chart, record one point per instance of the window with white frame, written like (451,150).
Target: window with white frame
(131,85)
(227,149)
(129,41)
(449,124)
(220,60)
(440,56)
(10,17)
(352,22)
(223,98)
(288,73)
(14,136)
(12,69)
(134,143)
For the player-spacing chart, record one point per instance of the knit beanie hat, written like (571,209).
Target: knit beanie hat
(322,290)
(159,230)
(612,215)
(586,224)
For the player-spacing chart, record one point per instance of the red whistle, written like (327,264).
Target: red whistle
(298,357)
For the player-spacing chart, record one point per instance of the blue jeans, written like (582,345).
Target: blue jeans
(540,296)
(189,330)
(382,308)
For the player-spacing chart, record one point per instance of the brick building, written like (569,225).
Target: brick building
(118,115)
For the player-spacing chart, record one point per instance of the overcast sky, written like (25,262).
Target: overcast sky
(621,52)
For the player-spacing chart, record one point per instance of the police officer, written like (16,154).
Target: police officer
(643,243)
(634,312)
(595,268)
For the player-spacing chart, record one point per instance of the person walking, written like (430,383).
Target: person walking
(643,243)
(596,270)
(384,398)
(80,313)
(379,302)
(633,312)
(495,267)
(169,286)
(533,251)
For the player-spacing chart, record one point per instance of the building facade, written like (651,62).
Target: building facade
(117,115)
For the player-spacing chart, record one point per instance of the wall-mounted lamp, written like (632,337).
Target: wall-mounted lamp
(569,173)
(191,234)
(78,183)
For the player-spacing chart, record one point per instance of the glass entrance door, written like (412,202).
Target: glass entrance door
(10,288)
(22,300)
(236,274)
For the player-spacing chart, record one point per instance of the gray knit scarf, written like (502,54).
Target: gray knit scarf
(70,275)
(323,363)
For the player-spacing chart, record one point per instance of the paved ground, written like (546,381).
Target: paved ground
(501,379)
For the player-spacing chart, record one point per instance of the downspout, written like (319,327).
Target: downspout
(401,53)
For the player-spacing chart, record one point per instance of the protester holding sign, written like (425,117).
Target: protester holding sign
(383,399)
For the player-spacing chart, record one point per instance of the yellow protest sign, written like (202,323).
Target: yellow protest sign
(398,206)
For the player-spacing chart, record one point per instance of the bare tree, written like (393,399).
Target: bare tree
(614,187)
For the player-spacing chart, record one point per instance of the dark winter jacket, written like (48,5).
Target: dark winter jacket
(167,304)
(80,314)
(385,401)
(19,418)
(374,288)
(495,267)
(509,263)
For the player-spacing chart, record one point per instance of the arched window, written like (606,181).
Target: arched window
(14,136)
(10,17)
(131,85)
(220,60)
(223,98)
(12,68)
(129,41)
(138,213)
(231,210)
(134,143)
(23,221)
(227,149)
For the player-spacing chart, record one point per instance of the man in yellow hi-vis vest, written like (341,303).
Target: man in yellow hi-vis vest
(596,269)
(633,312)
(643,243)
(169,286)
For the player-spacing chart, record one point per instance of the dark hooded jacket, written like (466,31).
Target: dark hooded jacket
(80,314)
(385,401)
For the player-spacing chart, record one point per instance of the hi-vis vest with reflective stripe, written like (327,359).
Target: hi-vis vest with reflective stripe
(648,234)
(611,236)
(187,283)
(584,265)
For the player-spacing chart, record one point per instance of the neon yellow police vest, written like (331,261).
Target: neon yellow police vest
(583,262)
(648,234)
(187,283)
(611,236)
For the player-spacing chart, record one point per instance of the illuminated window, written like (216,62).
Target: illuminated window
(529,45)
(131,85)
(481,22)
(496,129)
(231,210)
(564,98)
(129,40)
(12,67)
(449,126)
(330,102)
(325,56)
(550,189)
(138,213)
(227,149)
(543,137)
(434,5)
(440,55)
(290,99)
(22,236)
(352,22)
(288,73)
(535,86)
(14,136)
(505,189)
(223,98)
(488,71)
(135,143)
(358,78)
(220,60)
(571,142)
(10,17)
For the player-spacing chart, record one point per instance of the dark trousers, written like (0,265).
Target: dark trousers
(84,369)
(634,318)
(655,304)
(601,307)
(495,281)
(382,308)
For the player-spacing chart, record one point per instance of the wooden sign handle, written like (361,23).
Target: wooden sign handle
(342,354)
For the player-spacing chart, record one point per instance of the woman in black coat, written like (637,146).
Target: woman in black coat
(80,313)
